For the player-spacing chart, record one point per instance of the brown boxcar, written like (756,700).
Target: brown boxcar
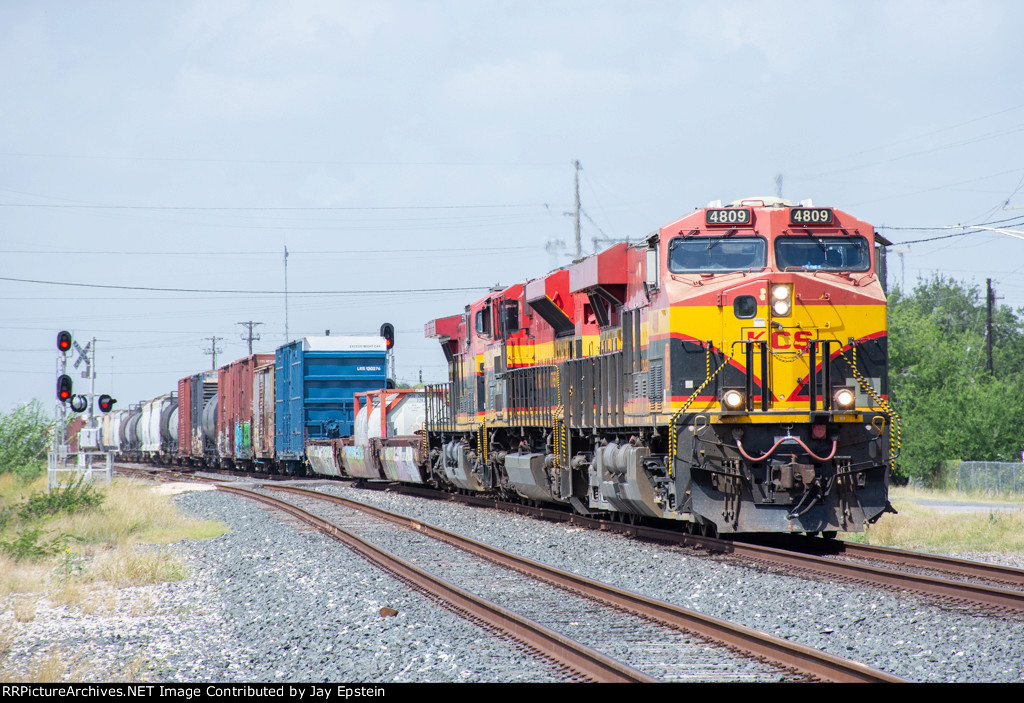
(184,418)
(234,408)
(194,394)
(263,413)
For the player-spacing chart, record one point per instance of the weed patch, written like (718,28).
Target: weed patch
(32,544)
(73,498)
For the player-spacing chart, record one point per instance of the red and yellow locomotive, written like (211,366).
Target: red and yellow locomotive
(730,373)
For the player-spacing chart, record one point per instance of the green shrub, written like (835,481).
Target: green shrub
(25,435)
(73,498)
(28,543)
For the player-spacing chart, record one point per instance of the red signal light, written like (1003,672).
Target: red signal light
(64,341)
(106,403)
(387,331)
(63,388)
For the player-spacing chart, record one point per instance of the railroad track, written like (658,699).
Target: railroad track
(984,596)
(582,661)
(951,581)
(950,566)
(788,656)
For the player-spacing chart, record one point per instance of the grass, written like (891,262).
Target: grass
(101,541)
(923,528)
(75,548)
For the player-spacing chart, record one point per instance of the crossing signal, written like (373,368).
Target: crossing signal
(79,403)
(63,388)
(64,342)
(106,403)
(387,331)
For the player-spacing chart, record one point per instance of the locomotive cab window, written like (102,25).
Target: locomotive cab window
(822,253)
(511,311)
(716,254)
(483,321)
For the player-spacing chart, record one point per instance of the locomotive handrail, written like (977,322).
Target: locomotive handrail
(749,377)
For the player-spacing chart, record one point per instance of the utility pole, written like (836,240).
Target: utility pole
(250,337)
(213,350)
(576,212)
(989,299)
(286,337)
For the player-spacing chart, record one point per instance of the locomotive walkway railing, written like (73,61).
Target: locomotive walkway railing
(440,408)
(532,395)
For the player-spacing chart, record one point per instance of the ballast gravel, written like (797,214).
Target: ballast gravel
(899,633)
(271,603)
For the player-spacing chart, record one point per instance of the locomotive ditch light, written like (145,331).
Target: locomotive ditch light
(733,399)
(781,300)
(844,398)
(79,403)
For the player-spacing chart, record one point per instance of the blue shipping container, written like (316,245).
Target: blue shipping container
(314,380)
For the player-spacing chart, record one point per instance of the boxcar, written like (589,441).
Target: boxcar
(314,381)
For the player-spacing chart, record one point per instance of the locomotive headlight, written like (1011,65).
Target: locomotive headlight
(733,399)
(845,398)
(781,300)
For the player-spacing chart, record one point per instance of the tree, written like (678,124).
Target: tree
(950,406)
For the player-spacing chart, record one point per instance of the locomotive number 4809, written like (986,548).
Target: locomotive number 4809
(727,216)
(810,215)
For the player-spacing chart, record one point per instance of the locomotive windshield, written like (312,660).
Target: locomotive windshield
(716,254)
(822,253)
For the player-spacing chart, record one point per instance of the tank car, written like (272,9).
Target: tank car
(729,373)
(157,428)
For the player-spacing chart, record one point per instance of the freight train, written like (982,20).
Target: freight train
(729,373)
(258,413)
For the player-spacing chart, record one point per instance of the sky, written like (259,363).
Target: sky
(158,158)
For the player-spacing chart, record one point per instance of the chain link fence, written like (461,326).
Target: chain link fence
(991,477)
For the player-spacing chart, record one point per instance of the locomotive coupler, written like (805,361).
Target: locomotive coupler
(812,496)
(786,475)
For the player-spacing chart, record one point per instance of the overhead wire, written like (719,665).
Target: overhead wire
(247,292)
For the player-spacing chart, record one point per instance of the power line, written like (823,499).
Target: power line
(177,208)
(295,162)
(247,292)
(235,254)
